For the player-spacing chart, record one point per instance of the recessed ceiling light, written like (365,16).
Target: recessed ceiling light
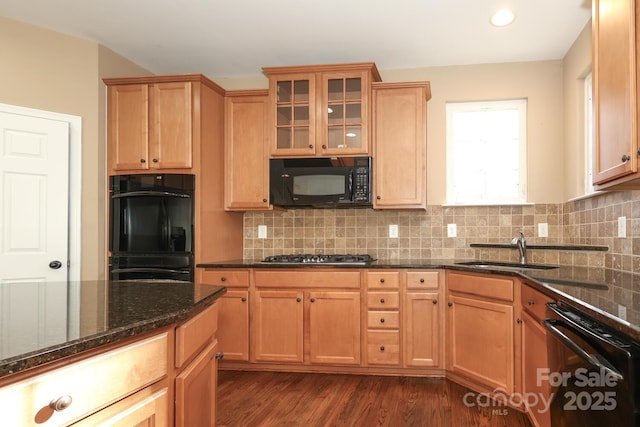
(502,18)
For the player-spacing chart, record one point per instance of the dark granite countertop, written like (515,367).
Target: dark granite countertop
(595,290)
(77,316)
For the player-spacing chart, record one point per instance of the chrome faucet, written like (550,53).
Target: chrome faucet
(521,243)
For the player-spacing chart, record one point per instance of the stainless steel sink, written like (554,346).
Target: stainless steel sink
(506,265)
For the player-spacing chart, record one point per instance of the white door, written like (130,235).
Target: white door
(34,175)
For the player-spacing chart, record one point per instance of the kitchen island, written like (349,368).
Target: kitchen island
(115,350)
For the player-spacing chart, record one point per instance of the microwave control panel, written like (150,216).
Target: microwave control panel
(362,179)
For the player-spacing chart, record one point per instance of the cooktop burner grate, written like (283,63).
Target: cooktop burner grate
(325,259)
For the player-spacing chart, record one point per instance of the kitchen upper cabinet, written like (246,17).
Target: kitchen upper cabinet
(480,330)
(320,110)
(400,145)
(246,150)
(150,126)
(615,99)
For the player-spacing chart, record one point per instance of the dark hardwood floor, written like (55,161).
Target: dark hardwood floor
(293,399)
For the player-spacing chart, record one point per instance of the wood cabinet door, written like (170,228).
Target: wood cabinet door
(171,127)
(334,327)
(233,321)
(614,89)
(196,390)
(128,127)
(246,151)
(422,329)
(278,326)
(481,342)
(400,144)
(534,357)
(293,114)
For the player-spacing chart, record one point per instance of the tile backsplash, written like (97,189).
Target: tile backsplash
(423,234)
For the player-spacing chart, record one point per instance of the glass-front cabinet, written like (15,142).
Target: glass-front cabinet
(320,110)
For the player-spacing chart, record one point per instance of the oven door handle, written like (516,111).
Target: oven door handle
(149,194)
(594,359)
(148,270)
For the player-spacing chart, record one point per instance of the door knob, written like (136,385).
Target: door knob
(55,265)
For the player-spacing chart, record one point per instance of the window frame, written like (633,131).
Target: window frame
(516,103)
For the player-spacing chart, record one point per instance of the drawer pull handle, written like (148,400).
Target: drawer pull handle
(219,355)
(382,280)
(382,320)
(243,299)
(381,348)
(421,280)
(381,300)
(435,301)
(223,279)
(61,403)
(531,302)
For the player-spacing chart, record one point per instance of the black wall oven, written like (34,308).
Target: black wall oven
(151,232)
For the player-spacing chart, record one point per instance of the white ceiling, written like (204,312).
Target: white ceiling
(236,38)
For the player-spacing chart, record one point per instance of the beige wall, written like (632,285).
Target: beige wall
(577,65)
(50,71)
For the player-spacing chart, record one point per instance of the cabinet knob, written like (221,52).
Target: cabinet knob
(298,299)
(531,302)
(519,321)
(219,355)
(450,304)
(155,160)
(435,301)
(264,200)
(381,300)
(378,197)
(324,147)
(625,158)
(143,161)
(243,299)
(382,320)
(61,403)
(421,280)
(313,300)
(382,280)
(223,279)
(311,146)
(381,348)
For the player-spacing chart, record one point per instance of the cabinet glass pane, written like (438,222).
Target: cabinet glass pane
(284,138)
(336,90)
(335,114)
(354,114)
(353,136)
(353,89)
(284,91)
(284,115)
(301,91)
(301,137)
(336,137)
(301,115)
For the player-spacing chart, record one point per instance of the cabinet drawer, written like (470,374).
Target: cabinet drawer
(229,278)
(480,285)
(307,279)
(383,300)
(383,279)
(91,384)
(194,334)
(422,279)
(383,319)
(534,302)
(383,347)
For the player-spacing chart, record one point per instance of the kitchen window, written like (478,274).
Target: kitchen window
(486,152)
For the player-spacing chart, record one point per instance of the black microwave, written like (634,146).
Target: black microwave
(336,182)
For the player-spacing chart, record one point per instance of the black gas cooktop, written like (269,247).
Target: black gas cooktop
(320,259)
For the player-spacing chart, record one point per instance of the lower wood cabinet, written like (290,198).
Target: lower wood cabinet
(480,330)
(278,326)
(234,315)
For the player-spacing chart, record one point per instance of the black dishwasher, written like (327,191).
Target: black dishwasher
(594,371)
